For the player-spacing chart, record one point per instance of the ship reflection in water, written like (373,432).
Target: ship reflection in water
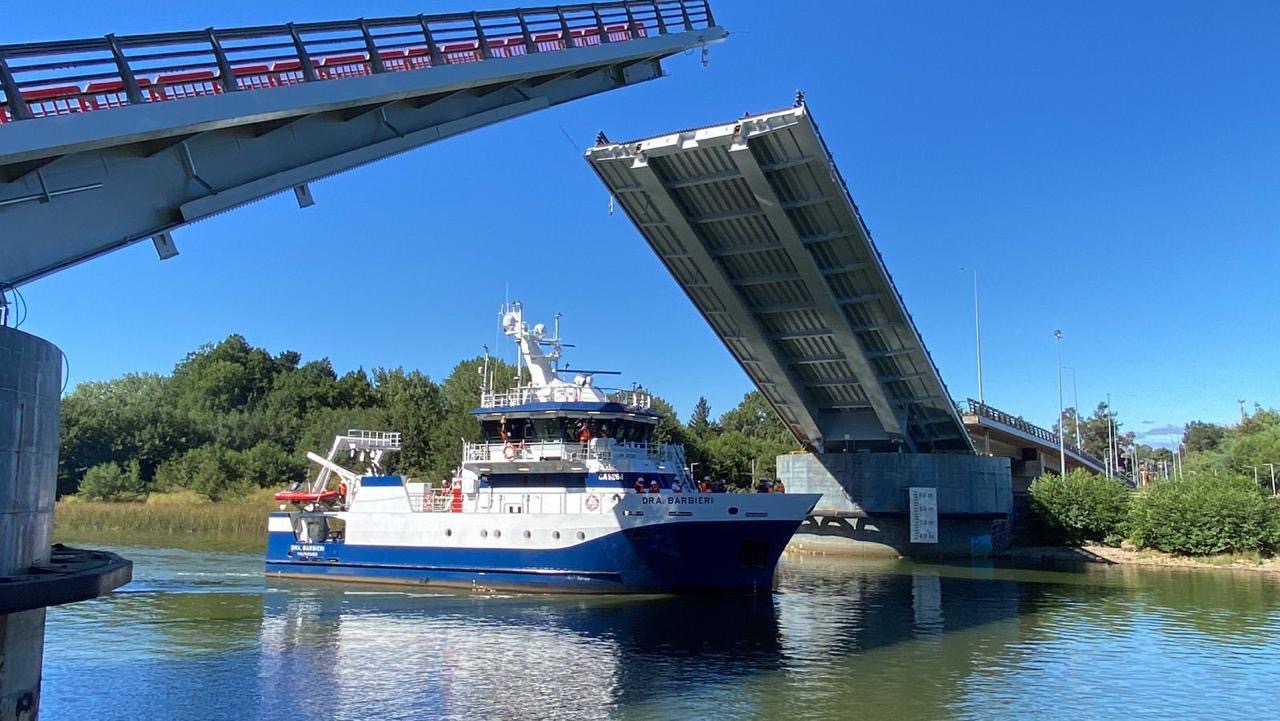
(200,635)
(393,654)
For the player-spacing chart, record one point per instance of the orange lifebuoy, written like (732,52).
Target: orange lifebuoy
(593,502)
(509,451)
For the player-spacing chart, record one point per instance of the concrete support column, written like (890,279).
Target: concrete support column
(864,508)
(30,390)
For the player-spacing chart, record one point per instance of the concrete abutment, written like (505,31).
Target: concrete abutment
(865,508)
(33,573)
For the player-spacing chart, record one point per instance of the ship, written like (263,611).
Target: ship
(570,489)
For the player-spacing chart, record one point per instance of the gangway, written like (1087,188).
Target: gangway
(754,222)
(118,139)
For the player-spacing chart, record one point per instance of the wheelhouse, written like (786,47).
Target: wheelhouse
(568,423)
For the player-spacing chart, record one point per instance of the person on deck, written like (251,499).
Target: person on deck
(675,487)
(762,486)
(778,487)
(720,487)
(604,431)
(584,433)
(705,485)
(640,485)
(654,487)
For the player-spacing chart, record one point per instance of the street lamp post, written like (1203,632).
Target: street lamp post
(1272,466)
(977,331)
(1075,399)
(1062,446)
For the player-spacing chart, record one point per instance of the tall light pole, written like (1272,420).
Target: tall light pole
(1075,399)
(1062,445)
(1111,440)
(1272,466)
(977,331)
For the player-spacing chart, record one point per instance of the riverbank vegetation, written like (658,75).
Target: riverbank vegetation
(232,419)
(1198,514)
(167,518)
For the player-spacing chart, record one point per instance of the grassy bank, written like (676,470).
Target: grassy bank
(167,519)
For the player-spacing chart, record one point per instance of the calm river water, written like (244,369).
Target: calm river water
(201,635)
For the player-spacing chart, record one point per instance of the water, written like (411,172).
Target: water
(202,635)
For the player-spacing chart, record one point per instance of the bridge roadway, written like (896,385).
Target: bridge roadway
(1034,450)
(108,141)
(755,223)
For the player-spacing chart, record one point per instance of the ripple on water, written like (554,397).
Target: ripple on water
(203,636)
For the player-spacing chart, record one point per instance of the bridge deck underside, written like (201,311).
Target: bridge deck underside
(78,185)
(756,225)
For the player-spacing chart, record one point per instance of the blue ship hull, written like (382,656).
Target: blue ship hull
(690,557)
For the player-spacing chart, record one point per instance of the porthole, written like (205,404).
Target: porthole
(448,532)
(497,533)
(733,510)
(484,533)
(581,535)
(555,535)
(528,535)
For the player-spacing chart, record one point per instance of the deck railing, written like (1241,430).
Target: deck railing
(569,451)
(632,397)
(39,80)
(976,408)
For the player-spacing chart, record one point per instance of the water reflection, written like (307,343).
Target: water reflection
(389,654)
(202,636)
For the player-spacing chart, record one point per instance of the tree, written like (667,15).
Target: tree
(755,418)
(700,420)
(1200,437)
(412,405)
(111,482)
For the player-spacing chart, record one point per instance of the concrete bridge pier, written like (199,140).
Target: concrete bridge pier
(865,509)
(33,573)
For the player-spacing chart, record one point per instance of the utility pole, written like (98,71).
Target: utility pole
(1243,417)
(1062,446)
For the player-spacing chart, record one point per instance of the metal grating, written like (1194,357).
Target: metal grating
(755,223)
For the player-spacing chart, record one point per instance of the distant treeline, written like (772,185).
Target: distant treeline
(232,418)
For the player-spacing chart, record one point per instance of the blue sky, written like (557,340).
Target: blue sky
(1110,169)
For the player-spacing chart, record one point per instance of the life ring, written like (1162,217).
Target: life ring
(593,502)
(510,451)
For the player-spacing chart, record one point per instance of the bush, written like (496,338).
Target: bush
(210,470)
(1204,514)
(1079,507)
(111,482)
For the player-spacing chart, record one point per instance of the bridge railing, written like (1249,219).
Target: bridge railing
(40,80)
(976,408)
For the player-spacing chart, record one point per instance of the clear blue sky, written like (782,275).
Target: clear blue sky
(1110,168)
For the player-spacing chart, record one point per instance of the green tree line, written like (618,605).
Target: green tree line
(232,418)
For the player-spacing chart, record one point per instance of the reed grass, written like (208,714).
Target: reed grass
(182,519)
